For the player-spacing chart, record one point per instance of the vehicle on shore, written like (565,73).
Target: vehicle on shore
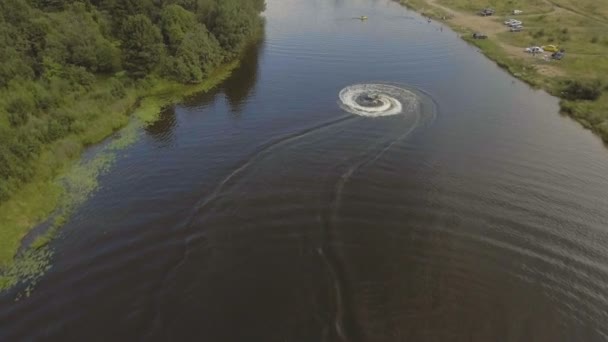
(534,49)
(478,35)
(551,48)
(486,12)
(515,23)
(559,55)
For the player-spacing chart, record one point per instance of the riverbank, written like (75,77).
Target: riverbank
(62,182)
(579,79)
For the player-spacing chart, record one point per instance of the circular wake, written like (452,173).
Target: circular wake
(378,100)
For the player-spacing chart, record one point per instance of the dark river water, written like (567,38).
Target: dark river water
(262,211)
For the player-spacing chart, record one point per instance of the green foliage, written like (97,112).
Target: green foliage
(19,110)
(71,70)
(66,63)
(45,194)
(196,56)
(143,46)
(77,39)
(580,90)
(232,23)
(175,23)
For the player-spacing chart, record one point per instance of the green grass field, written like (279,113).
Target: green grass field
(580,27)
(501,6)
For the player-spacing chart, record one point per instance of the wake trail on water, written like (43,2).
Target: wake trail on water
(215,194)
(376,99)
(326,251)
(372,100)
(261,151)
(366,100)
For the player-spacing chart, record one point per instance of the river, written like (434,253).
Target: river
(262,211)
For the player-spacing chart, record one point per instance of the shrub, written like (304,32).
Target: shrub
(117,89)
(63,62)
(142,47)
(4,195)
(17,119)
(577,90)
(56,130)
(19,110)
(44,101)
(78,76)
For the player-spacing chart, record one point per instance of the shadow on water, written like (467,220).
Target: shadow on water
(239,87)
(163,130)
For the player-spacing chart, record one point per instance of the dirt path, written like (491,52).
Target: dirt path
(471,21)
(490,27)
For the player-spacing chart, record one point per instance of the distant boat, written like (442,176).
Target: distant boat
(363,17)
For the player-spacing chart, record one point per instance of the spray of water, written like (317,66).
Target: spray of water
(376,100)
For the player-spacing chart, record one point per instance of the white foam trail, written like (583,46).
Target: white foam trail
(390,100)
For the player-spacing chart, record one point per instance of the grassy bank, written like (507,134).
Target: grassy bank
(60,183)
(74,73)
(578,27)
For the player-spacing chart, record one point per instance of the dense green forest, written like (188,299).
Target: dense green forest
(67,63)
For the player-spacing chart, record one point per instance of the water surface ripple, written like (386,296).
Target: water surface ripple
(264,211)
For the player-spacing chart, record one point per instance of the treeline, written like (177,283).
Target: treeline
(65,61)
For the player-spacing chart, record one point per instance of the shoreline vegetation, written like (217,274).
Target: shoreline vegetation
(47,202)
(58,97)
(579,27)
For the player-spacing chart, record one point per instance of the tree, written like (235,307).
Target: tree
(175,22)
(14,62)
(143,46)
(52,4)
(59,58)
(75,37)
(233,23)
(120,10)
(15,12)
(197,55)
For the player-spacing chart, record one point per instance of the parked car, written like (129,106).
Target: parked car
(515,23)
(509,21)
(486,12)
(534,49)
(516,12)
(558,55)
(518,28)
(478,35)
(551,48)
